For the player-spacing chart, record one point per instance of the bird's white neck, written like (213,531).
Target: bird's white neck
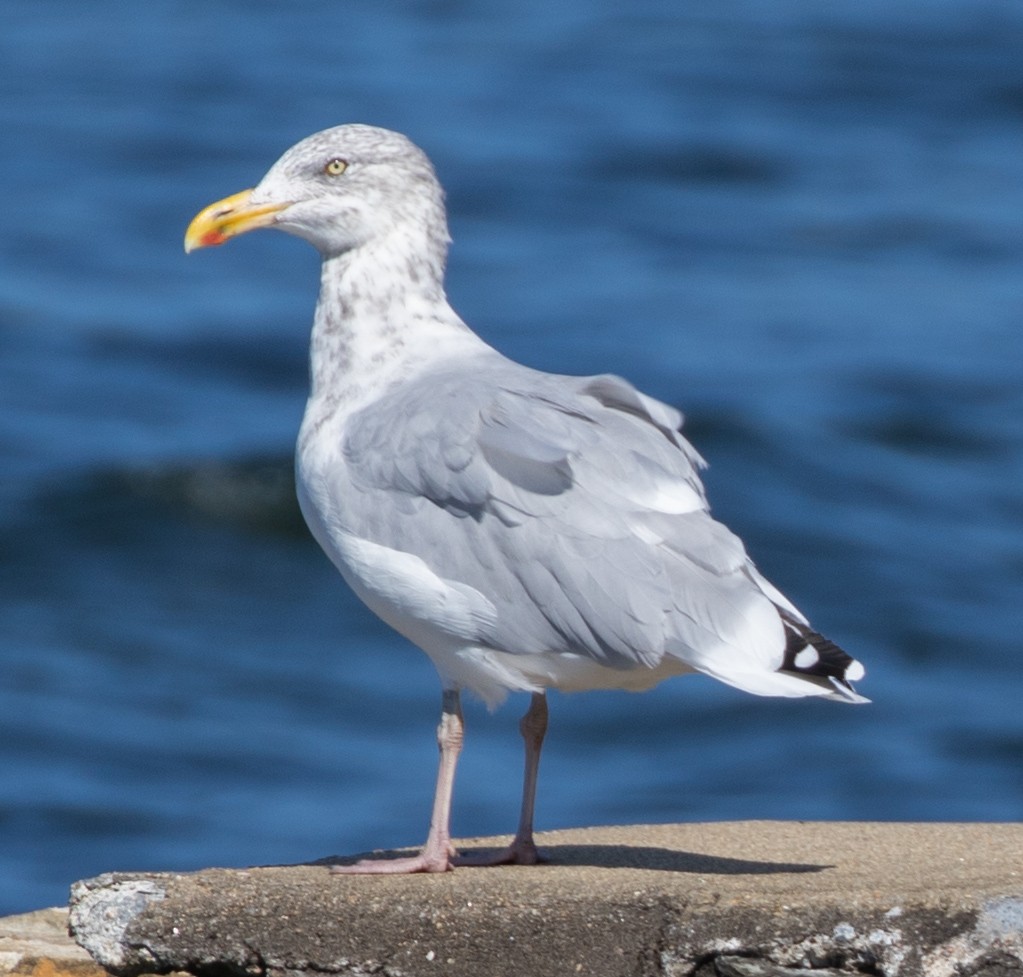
(382,316)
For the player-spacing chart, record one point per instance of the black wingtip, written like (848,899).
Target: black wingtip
(812,656)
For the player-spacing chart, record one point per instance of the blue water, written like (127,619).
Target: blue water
(801,222)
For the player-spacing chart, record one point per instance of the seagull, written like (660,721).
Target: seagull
(528,531)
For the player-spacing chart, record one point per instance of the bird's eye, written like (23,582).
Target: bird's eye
(335,167)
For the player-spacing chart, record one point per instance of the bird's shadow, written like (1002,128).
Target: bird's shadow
(625,856)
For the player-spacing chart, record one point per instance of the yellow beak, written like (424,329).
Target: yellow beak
(227,218)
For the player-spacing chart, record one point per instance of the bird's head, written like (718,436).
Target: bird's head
(340,189)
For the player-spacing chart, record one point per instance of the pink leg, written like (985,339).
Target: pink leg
(437,854)
(522,850)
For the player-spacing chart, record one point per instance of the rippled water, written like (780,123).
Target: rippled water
(801,223)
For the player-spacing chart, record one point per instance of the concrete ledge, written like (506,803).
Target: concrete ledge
(715,900)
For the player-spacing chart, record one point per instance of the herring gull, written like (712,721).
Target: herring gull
(526,530)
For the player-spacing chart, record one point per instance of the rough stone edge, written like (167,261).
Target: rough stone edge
(898,943)
(102,910)
(108,919)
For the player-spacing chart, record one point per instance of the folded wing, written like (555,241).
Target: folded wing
(574,507)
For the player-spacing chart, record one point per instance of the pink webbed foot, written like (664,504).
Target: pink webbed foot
(519,852)
(433,858)
(395,866)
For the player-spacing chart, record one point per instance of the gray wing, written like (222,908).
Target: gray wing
(574,505)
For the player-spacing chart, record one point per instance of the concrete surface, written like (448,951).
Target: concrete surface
(752,899)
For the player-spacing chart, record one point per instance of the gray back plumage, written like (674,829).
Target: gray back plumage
(573,504)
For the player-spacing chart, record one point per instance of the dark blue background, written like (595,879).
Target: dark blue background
(800,222)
